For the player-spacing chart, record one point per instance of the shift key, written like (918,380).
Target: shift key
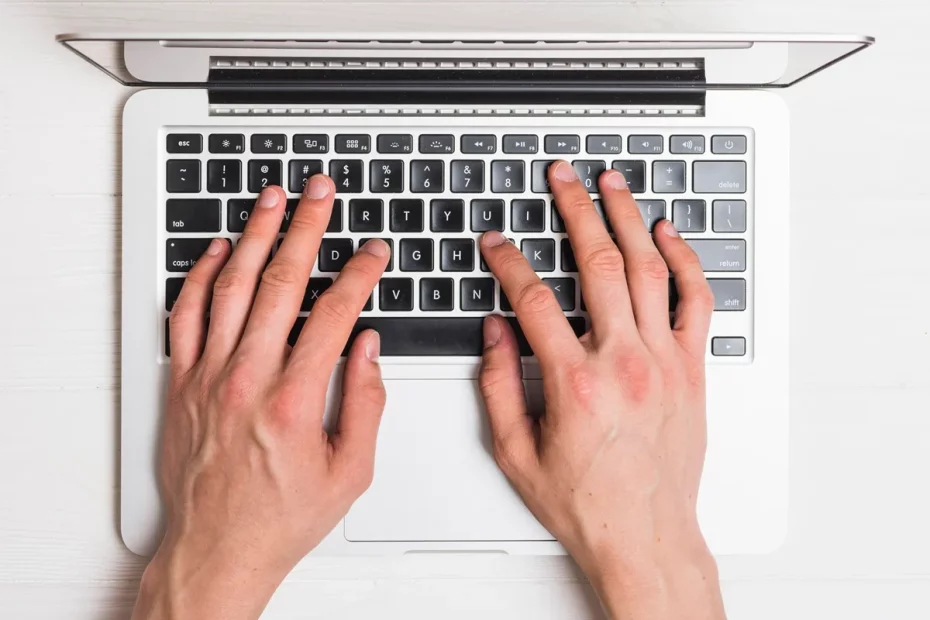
(720,255)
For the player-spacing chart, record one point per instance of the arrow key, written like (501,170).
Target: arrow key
(728,347)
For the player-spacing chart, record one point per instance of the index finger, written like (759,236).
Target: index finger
(540,316)
(335,313)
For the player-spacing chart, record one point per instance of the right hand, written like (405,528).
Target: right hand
(612,467)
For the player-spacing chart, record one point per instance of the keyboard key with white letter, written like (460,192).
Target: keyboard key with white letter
(720,255)
(719,177)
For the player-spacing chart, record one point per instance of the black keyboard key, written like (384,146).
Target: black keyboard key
(564,289)
(416,254)
(487,215)
(224,176)
(390,243)
(167,338)
(558,224)
(184,143)
(315,288)
(603,145)
(507,177)
(387,176)
(521,145)
(562,145)
(479,144)
(435,336)
(370,304)
(182,254)
(366,215)
(477,294)
(334,254)
(300,171)
(353,143)
(426,176)
(528,215)
(395,143)
(182,176)
(406,215)
(348,175)
(540,177)
(226,143)
(436,294)
(263,173)
(589,172)
(540,253)
(335,218)
(238,211)
(311,143)
(437,144)
(289,207)
(634,171)
(457,255)
(447,215)
(193,215)
(569,265)
(468,176)
(395,295)
(172,291)
(269,143)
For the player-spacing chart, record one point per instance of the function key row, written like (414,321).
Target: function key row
(224,176)
(517,144)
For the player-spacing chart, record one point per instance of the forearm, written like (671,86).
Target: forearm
(176,586)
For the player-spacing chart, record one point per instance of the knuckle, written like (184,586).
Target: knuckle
(651,267)
(229,282)
(333,307)
(581,383)
(703,298)
(606,260)
(302,221)
(505,455)
(492,379)
(579,204)
(535,298)
(637,376)
(285,405)
(238,389)
(281,276)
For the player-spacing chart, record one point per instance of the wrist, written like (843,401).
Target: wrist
(658,584)
(182,582)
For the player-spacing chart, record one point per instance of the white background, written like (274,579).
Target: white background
(859,540)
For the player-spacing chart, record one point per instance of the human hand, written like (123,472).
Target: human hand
(250,480)
(612,467)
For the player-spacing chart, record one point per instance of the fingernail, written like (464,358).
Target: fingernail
(318,187)
(615,180)
(268,198)
(376,247)
(492,332)
(373,350)
(564,171)
(215,247)
(493,239)
(670,229)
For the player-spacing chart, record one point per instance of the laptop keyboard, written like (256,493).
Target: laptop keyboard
(431,194)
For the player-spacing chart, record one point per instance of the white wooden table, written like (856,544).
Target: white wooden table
(859,542)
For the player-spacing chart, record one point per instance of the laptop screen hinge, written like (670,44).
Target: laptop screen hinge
(286,86)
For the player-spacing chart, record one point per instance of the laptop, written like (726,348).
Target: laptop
(432,140)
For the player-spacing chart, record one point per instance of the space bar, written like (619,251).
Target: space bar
(439,337)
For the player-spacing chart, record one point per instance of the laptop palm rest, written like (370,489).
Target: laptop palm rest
(435,478)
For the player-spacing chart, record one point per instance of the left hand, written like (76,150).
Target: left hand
(250,480)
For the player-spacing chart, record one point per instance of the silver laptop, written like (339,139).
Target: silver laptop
(431,140)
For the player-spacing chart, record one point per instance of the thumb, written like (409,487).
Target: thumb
(505,399)
(363,398)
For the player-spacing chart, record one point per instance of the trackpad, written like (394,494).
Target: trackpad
(435,478)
